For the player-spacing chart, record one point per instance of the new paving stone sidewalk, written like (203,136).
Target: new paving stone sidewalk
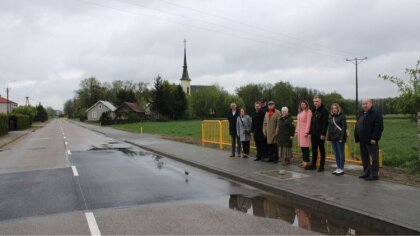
(389,206)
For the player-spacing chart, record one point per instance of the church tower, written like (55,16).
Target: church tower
(185,79)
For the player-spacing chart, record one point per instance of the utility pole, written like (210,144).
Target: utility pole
(7,99)
(357,61)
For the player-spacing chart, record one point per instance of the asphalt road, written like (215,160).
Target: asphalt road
(64,179)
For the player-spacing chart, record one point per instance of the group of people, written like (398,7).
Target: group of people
(273,132)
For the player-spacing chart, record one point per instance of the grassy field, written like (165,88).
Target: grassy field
(399,141)
(399,144)
(191,128)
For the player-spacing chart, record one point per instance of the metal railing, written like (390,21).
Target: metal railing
(217,132)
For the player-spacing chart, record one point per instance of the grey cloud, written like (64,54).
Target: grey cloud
(49,46)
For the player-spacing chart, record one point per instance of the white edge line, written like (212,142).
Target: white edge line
(93,226)
(75,172)
(68,152)
(66,143)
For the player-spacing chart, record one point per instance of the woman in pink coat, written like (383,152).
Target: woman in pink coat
(302,131)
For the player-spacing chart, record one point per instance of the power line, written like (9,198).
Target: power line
(253,26)
(234,29)
(200,28)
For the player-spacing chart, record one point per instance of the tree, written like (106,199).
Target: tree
(26,110)
(41,114)
(203,102)
(69,108)
(250,94)
(346,105)
(409,100)
(91,90)
(143,94)
(283,94)
(179,102)
(158,102)
(51,112)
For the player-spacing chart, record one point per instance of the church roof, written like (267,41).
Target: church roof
(185,75)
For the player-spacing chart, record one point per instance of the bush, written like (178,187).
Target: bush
(41,114)
(19,122)
(4,124)
(26,110)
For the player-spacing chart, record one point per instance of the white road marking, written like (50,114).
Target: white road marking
(75,172)
(93,226)
(66,143)
(68,152)
(64,137)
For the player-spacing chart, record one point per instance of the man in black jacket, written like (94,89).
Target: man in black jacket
(257,130)
(318,132)
(232,117)
(368,132)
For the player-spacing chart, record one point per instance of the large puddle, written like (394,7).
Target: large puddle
(244,198)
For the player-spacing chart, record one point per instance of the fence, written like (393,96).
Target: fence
(217,132)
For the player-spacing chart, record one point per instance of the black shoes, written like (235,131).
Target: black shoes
(310,167)
(371,178)
(320,169)
(257,159)
(364,176)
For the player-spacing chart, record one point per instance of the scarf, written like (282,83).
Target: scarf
(270,112)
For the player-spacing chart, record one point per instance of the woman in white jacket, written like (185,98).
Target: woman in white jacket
(243,129)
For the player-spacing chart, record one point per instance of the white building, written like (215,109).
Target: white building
(4,103)
(94,113)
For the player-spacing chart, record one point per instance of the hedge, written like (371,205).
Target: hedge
(19,122)
(4,124)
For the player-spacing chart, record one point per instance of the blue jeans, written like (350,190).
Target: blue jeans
(235,140)
(339,153)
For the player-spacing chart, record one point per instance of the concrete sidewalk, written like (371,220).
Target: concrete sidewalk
(15,135)
(393,208)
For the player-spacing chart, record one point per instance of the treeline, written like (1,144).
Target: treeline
(168,101)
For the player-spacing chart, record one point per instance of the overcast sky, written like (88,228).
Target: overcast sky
(48,46)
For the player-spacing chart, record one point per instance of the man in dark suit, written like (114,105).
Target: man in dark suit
(318,132)
(368,132)
(232,117)
(257,130)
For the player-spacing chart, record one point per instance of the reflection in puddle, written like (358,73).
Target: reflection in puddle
(126,151)
(276,208)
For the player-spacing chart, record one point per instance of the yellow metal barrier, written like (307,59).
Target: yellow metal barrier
(217,132)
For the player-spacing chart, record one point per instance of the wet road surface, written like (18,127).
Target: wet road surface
(88,183)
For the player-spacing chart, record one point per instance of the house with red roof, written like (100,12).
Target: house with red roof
(130,111)
(4,103)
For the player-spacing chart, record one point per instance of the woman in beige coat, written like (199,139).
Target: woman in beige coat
(270,132)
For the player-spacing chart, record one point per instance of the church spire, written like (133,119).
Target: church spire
(185,75)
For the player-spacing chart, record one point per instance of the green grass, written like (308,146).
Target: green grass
(398,144)
(191,128)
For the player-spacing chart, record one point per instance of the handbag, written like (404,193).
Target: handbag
(339,128)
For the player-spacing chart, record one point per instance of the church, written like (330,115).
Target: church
(185,79)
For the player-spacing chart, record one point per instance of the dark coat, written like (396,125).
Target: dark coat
(232,122)
(257,125)
(319,122)
(286,129)
(369,126)
(334,134)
